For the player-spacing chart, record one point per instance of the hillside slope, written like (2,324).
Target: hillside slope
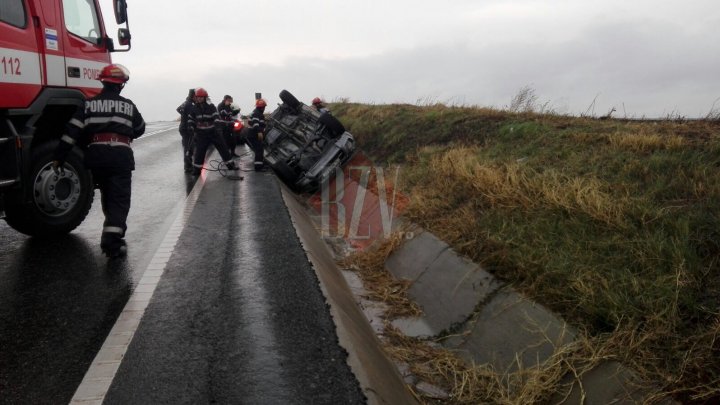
(615,225)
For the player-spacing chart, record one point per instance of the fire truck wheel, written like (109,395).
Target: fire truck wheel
(60,201)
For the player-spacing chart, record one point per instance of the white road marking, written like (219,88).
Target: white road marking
(99,377)
(164,127)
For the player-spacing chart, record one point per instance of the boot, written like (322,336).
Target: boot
(113,247)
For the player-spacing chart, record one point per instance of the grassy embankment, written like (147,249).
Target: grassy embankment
(614,225)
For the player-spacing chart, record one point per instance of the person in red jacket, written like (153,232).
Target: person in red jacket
(107,124)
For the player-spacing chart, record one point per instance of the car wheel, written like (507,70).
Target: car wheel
(289,99)
(331,123)
(60,202)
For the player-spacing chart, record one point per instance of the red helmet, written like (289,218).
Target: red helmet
(200,92)
(260,103)
(114,73)
(317,101)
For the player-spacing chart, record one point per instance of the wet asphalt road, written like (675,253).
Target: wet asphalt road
(238,316)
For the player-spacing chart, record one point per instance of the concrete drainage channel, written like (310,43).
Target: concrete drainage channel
(491,323)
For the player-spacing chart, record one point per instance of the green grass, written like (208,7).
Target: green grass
(615,225)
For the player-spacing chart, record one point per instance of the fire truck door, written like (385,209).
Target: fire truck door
(85,50)
(20,70)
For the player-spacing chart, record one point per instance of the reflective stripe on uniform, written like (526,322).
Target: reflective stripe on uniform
(68,139)
(105,120)
(111,143)
(77,123)
(112,229)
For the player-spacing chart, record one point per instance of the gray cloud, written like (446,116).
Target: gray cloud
(649,67)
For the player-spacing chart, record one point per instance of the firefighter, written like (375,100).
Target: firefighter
(226,113)
(257,133)
(319,105)
(204,120)
(184,111)
(107,124)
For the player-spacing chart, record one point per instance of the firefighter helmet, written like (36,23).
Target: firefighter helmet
(114,73)
(200,92)
(260,103)
(317,101)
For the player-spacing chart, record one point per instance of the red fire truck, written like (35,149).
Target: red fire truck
(51,52)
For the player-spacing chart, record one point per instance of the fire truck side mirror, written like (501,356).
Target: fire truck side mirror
(120,8)
(124,36)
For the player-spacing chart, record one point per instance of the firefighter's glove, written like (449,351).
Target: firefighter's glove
(57,166)
(261,136)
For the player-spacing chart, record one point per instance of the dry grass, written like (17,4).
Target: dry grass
(653,339)
(615,225)
(514,185)
(548,382)
(380,284)
(645,141)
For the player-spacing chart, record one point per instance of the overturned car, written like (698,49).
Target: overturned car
(304,146)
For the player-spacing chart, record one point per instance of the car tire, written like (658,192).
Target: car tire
(332,124)
(289,99)
(72,191)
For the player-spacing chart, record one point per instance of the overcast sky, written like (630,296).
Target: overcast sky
(645,58)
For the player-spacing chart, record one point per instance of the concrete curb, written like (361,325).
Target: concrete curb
(378,377)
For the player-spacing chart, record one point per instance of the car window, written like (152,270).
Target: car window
(81,19)
(13,12)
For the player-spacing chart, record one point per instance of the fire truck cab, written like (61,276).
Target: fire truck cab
(51,52)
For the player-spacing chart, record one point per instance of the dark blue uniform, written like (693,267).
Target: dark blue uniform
(204,119)
(184,110)
(257,127)
(107,124)
(226,114)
